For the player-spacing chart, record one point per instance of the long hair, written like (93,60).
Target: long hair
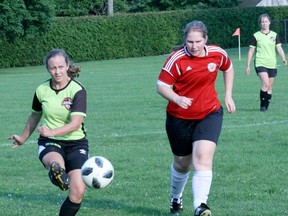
(73,70)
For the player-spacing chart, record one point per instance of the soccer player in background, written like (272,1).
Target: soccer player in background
(194,113)
(62,145)
(265,42)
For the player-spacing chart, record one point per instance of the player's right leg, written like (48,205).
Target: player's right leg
(58,176)
(51,155)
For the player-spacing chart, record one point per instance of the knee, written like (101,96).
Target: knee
(77,193)
(203,163)
(183,166)
(266,85)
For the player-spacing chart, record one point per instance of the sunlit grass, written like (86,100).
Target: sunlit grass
(125,123)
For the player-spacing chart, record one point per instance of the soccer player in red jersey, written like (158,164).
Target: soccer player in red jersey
(194,113)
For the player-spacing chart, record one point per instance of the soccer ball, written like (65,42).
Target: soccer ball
(97,172)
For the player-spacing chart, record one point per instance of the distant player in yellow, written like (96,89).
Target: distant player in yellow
(265,42)
(62,144)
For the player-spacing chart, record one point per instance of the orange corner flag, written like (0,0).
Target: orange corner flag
(237,32)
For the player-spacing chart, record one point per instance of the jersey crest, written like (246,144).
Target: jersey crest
(67,103)
(212,67)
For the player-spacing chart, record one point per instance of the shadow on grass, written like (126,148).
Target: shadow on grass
(124,207)
(21,199)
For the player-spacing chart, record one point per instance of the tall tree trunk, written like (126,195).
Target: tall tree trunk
(110,7)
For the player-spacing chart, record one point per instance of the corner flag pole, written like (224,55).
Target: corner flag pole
(237,33)
(239,47)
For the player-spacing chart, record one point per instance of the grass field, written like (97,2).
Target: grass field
(125,123)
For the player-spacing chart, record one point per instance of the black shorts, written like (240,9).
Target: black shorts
(271,72)
(74,153)
(182,133)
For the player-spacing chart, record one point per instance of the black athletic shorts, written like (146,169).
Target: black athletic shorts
(271,72)
(74,152)
(182,133)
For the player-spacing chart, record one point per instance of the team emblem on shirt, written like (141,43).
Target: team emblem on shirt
(273,39)
(67,102)
(211,67)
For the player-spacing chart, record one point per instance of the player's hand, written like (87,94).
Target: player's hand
(285,62)
(44,131)
(247,71)
(230,105)
(17,140)
(184,102)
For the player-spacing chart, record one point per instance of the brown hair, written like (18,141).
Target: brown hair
(262,16)
(73,70)
(194,25)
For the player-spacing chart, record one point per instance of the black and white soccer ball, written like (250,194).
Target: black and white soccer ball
(97,172)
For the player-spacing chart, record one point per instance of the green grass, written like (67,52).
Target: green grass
(125,123)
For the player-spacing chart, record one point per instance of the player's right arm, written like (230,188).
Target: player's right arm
(249,58)
(31,125)
(167,92)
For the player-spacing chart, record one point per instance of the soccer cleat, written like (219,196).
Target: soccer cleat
(58,176)
(202,210)
(263,109)
(176,206)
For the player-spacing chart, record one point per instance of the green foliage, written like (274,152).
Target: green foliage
(166,5)
(13,14)
(223,3)
(24,18)
(91,38)
(41,13)
(73,8)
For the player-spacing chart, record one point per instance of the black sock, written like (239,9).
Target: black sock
(263,98)
(69,208)
(267,102)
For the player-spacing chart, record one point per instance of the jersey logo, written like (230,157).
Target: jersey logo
(211,67)
(82,151)
(188,68)
(67,102)
(273,39)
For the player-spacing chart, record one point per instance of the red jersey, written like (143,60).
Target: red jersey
(194,77)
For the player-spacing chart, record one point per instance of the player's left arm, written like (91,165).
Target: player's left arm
(281,53)
(74,124)
(228,82)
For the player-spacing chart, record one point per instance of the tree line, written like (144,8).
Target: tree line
(21,18)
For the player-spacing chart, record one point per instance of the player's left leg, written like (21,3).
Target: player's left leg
(203,153)
(72,203)
(269,92)
(77,155)
(206,135)
(263,75)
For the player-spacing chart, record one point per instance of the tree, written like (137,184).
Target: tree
(164,5)
(23,18)
(110,7)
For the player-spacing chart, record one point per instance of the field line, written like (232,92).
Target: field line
(256,124)
(113,135)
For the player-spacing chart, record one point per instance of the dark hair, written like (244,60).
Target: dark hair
(262,16)
(73,70)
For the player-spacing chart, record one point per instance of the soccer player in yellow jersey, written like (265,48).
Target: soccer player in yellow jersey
(265,42)
(62,145)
